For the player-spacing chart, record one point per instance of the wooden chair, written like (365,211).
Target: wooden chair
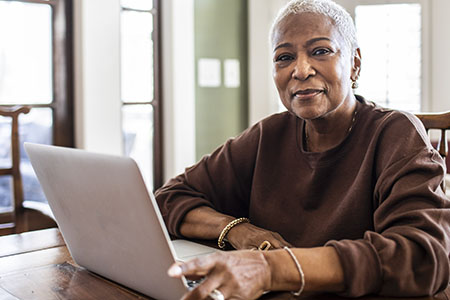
(20,218)
(439,121)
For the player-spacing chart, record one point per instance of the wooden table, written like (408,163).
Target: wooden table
(37,265)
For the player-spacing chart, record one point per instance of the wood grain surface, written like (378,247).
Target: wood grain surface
(37,265)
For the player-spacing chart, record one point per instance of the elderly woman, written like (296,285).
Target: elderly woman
(346,194)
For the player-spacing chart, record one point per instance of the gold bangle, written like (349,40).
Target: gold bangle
(227,228)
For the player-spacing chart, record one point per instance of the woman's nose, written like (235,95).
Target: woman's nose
(303,69)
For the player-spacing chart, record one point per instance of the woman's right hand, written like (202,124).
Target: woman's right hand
(236,274)
(249,236)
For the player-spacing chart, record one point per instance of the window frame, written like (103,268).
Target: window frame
(62,71)
(156,102)
(425,97)
(61,106)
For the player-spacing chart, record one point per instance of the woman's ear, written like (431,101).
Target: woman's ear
(356,64)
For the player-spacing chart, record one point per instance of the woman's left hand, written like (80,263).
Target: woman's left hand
(242,274)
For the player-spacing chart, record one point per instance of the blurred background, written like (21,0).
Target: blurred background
(167,81)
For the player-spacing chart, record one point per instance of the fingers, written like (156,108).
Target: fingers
(249,236)
(236,274)
(274,241)
(200,267)
(282,241)
(175,270)
(195,267)
(216,294)
(278,242)
(266,245)
(206,288)
(266,242)
(259,236)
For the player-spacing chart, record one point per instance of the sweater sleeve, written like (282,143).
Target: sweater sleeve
(221,180)
(407,253)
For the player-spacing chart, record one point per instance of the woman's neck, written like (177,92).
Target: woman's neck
(327,132)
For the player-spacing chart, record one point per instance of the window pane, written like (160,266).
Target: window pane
(6,193)
(25,53)
(137,4)
(137,57)
(391,52)
(6,196)
(5,142)
(35,127)
(137,126)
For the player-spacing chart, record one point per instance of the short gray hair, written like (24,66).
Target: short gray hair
(339,16)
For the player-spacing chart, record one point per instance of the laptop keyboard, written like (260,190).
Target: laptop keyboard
(193,283)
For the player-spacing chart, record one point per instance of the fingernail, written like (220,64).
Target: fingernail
(174,270)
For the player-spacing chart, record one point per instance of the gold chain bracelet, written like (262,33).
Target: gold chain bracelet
(226,229)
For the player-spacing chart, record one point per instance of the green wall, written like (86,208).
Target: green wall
(220,33)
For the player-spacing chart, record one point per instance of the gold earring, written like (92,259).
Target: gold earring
(354,84)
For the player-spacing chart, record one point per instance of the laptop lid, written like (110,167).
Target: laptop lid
(110,222)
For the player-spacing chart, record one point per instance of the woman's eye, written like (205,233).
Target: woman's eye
(283,57)
(321,51)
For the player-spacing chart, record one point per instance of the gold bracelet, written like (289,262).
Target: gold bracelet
(300,271)
(227,228)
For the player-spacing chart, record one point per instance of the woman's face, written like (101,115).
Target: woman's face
(313,65)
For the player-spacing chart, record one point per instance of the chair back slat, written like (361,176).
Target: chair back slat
(443,145)
(23,215)
(14,219)
(439,121)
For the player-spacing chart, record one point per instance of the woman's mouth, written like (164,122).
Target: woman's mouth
(306,94)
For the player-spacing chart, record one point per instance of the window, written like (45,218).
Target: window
(35,70)
(141,100)
(391,73)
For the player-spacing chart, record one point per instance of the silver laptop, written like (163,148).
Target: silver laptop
(110,222)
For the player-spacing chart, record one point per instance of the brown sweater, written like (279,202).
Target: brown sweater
(375,197)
